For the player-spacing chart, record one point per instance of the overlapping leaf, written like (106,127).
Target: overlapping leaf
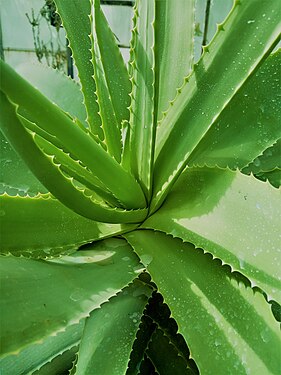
(207,93)
(248,125)
(111,330)
(77,23)
(55,294)
(226,325)
(55,122)
(41,226)
(232,216)
(35,356)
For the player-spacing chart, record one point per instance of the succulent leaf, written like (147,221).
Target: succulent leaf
(111,330)
(205,208)
(194,111)
(80,44)
(57,293)
(202,296)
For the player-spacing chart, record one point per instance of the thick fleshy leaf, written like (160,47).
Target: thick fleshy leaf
(111,330)
(225,323)
(248,125)
(61,364)
(77,23)
(227,59)
(57,87)
(172,20)
(268,161)
(274,177)
(15,176)
(232,216)
(142,116)
(267,167)
(158,338)
(165,356)
(54,294)
(35,356)
(41,227)
(51,119)
(43,166)
(112,80)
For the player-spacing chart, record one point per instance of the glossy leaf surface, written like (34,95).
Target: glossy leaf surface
(57,87)
(58,293)
(217,314)
(194,111)
(80,44)
(142,121)
(55,122)
(230,215)
(172,20)
(104,44)
(41,226)
(15,176)
(35,356)
(111,330)
(244,129)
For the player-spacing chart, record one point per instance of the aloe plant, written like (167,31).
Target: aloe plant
(140,208)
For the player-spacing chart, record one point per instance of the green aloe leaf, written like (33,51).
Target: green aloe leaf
(111,330)
(218,11)
(57,87)
(244,129)
(35,356)
(73,168)
(55,294)
(225,323)
(194,111)
(142,116)
(268,161)
(60,364)
(165,357)
(77,23)
(55,122)
(232,216)
(41,226)
(15,176)
(172,20)
(267,167)
(274,177)
(43,166)
(112,81)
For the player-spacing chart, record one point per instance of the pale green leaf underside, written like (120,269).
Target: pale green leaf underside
(223,69)
(55,294)
(110,332)
(41,226)
(229,328)
(232,216)
(35,356)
